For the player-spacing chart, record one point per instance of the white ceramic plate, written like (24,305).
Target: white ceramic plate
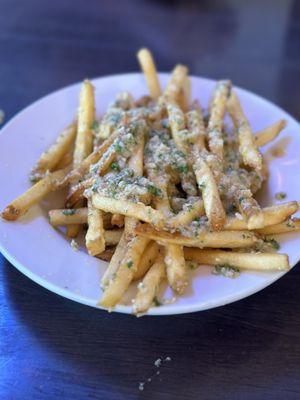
(45,256)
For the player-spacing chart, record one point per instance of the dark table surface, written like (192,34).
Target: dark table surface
(52,348)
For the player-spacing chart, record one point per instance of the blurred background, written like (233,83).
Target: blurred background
(52,348)
(47,45)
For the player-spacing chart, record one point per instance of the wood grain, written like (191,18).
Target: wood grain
(53,348)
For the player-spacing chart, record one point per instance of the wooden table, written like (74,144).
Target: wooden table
(52,348)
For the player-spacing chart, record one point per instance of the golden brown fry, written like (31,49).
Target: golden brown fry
(50,158)
(222,239)
(291,225)
(95,236)
(217,112)
(177,86)
(187,215)
(125,272)
(74,216)
(115,262)
(68,216)
(147,64)
(115,276)
(147,259)
(176,268)
(84,138)
(118,220)
(211,199)
(196,127)
(79,171)
(107,254)
(113,236)
(247,146)
(76,192)
(186,94)
(66,160)
(129,209)
(177,125)
(86,117)
(250,261)
(271,216)
(248,207)
(33,195)
(270,133)
(149,285)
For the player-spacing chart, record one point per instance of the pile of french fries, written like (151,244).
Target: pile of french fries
(160,183)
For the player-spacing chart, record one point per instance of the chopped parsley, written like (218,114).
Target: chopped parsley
(115,166)
(118,147)
(280,195)
(95,125)
(246,235)
(193,265)
(156,302)
(69,212)
(227,270)
(241,199)
(33,179)
(154,190)
(129,263)
(290,223)
(273,243)
(183,169)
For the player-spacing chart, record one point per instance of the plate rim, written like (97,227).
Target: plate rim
(123,309)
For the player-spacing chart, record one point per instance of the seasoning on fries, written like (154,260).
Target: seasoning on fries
(158,187)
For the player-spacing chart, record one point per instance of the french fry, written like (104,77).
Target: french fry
(66,160)
(291,225)
(107,158)
(95,236)
(79,171)
(68,216)
(148,66)
(195,124)
(247,146)
(33,195)
(118,220)
(135,210)
(177,124)
(76,192)
(244,261)
(113,236)
(211,199)
(84,138)
(50,158)
(217,112)
(117,276)
(74,216)
(86,117)
(177,273)
(271,216)
(149,256)
(248,207)
(175,267)
(186,94)
(177,86)
(270,133)
(107,254)
(115,262)
(187,215)
(148,287)
(222,239)
(136,161)
(125,272)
